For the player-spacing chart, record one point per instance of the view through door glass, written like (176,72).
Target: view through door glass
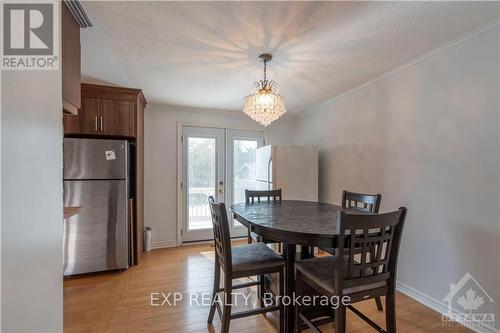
(201,181)
(203,176)
(243,167)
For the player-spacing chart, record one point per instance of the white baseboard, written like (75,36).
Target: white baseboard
(163,244)
(197,243)
(234,239)
(436,305)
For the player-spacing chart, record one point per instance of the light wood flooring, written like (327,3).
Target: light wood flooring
(120,302)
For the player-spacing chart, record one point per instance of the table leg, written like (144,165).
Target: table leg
(305,252)
(289,255)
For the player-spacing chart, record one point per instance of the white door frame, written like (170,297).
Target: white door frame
(218,124)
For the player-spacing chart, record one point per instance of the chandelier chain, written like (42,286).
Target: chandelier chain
(265,70)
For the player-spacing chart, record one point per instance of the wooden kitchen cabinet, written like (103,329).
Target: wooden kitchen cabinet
(118,113)
(106,111)
(89,116)
(117,117)
(87,121)
(73,17)
(70,61)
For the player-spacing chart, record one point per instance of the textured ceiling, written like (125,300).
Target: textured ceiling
(204,54)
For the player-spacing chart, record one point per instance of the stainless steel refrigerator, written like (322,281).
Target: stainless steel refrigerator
(96,179)
(291,168)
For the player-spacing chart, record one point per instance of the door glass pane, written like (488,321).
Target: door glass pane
(243,168)
(201,181)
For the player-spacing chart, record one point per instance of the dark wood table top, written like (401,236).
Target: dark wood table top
(298,222)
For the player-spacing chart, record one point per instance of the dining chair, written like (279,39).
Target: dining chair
(368,203)
(236,263)
(376,239)
(259,195)
(252,196)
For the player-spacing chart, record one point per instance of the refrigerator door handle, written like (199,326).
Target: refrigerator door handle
(269,170)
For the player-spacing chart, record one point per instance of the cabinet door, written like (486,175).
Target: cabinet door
(71,124)
(89,116)
(117,118)
(87,120)
(70,62)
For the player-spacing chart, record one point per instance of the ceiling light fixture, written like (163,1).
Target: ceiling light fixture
(264,104)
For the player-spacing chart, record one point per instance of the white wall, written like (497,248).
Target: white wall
(425,137)
(101,63)
(283,130)
(160,169)
(32,201)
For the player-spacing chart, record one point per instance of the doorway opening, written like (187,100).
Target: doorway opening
(216,162)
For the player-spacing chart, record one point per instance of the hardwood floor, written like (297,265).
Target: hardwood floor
(121,302)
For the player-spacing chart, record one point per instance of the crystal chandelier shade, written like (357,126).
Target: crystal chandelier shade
(264,104)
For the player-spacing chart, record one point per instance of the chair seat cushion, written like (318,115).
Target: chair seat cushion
(254,257)
(321,271)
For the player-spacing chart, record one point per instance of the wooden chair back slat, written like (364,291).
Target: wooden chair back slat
(371,247)
(369,203)
(270,195)
(222,237)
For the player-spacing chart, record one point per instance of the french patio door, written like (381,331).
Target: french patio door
(216,162)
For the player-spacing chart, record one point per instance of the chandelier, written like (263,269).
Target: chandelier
(264,104)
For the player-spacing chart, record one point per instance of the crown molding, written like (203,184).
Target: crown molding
(485,29)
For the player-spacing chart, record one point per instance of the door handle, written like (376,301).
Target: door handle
(96,124)
(102,123)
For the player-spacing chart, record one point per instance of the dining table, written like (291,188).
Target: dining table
(307,224)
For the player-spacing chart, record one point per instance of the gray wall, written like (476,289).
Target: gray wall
(284,130)
(426,137)
(32,202)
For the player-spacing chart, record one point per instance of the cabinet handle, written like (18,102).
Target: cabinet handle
(102,124)
(96,124)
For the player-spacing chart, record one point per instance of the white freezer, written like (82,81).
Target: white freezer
(293,168)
